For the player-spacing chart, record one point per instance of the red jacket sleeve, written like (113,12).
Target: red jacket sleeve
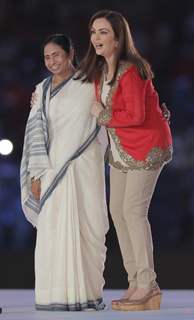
(132,110)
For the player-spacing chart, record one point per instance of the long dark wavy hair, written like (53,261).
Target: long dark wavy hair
(62,41)
(92,66)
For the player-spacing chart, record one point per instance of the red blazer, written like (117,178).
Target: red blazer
(135,121)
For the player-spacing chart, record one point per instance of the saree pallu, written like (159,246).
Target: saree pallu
(72,221)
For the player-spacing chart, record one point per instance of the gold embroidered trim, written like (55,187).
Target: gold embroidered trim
(116,164)
(154,160)
(104,117)
(123,67)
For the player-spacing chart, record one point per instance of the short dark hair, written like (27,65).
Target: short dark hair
(63,41)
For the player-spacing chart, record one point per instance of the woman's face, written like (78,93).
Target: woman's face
(103,38)
(56,59)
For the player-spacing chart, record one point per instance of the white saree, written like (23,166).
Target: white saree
(72,220)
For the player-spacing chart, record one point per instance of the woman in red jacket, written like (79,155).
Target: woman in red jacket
(140,145)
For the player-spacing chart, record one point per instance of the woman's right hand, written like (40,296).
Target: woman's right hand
(36,188)
(166,112)
(33,99)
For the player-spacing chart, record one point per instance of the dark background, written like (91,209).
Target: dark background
(164,34)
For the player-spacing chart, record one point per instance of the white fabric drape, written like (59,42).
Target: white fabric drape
(71,226)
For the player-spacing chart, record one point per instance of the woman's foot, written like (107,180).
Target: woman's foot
(127,295)
(142,299)
(139,294)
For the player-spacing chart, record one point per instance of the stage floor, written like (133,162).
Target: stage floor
(19,305)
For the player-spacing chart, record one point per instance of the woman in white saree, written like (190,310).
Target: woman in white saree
(62,187)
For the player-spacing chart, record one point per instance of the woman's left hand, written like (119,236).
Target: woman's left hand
(96,109)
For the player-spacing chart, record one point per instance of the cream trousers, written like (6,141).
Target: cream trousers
(130,196)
